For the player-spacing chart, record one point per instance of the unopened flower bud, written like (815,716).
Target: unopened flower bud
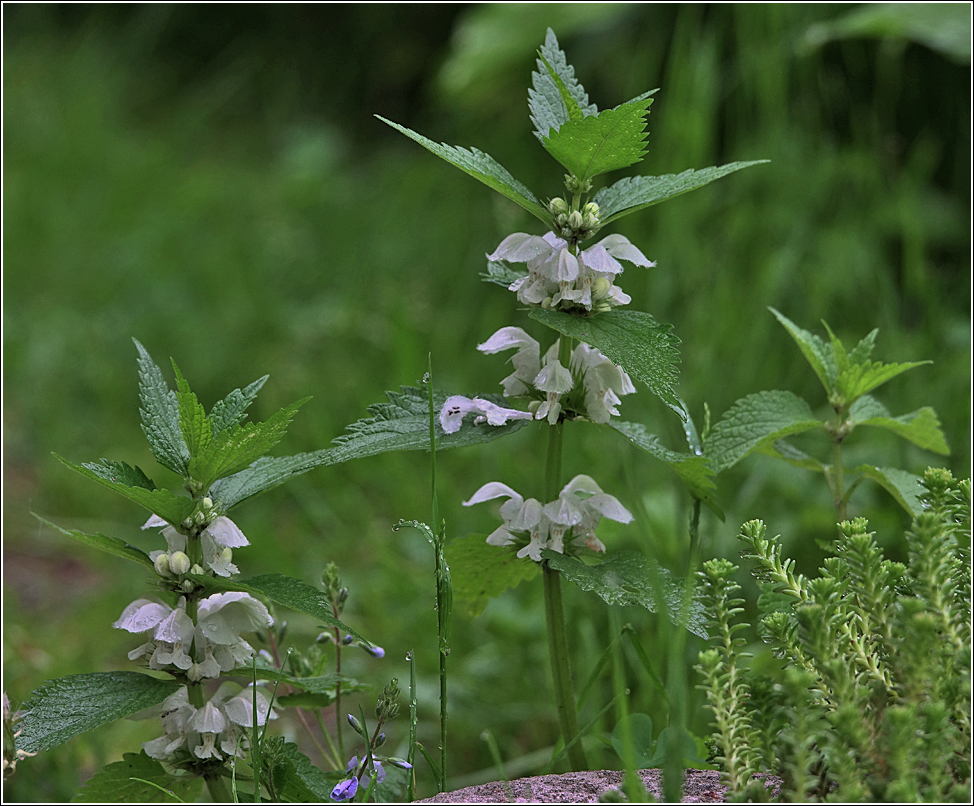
(162,565)
(197,569)
(194,673)
(379,740)
(558,206)
(188,586)
(207,503)
(188,524)
(575,220)
(601,287)
(375,651)
(590,209)
(356,725)
(179,563)
(199,518)
(388,705)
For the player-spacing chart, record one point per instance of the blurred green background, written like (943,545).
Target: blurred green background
(210,179)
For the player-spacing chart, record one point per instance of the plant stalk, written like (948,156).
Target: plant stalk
(554,610)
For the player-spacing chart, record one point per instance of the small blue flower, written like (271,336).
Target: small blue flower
(345,790)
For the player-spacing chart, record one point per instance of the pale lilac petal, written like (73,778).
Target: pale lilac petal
(520,248)
(491,490)
(451,415)
(154,522)
(554,378)
(508,338)
(225,533)
(142,615)
(620,247)
(581,483)
(609,506)
(599,260)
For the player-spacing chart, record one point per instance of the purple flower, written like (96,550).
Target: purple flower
(345,790)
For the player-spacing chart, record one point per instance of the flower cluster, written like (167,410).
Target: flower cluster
(212,731)
(597,384)
(558,278)
(199,638)
(571,517)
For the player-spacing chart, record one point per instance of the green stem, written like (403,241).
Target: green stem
(561,668)
(554,611)
(339,716)
(219,790)
(837,471)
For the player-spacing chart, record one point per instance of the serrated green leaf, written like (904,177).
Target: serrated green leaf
(571,105)
(637,192)
(483,167)
(282,590)
(110,545)
(125,782)
(857,379)
(171,508)
(755,421)
(160,416)
(780,449)
(921,427)
(643,347)
(240,446)
(64,708)
(817,352)
(545,102)
(694,471)
(632,580)
(501,273)
(233,408)
(305,782)
(402,424)
(861,352)
(481,572)
(903,486)
(193,422)
(594,145)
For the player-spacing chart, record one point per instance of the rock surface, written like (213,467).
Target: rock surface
(699,786)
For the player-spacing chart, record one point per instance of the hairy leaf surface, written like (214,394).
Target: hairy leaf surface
(921,427)
(483,167)
(630,579)
(64,708)
(545,101)
(110,545)
(160,416)
(481,572)
(637,192)
(643,347)
(131,781)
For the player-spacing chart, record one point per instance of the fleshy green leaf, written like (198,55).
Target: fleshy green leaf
(630,579)
(160,416)
(233,408)
(402,424)
(694,471)
(238,447)
(643,347)
(596,144)
(921,427)
(481,572)
(818,354)
(172,509)
(756,421)
(193,422)
(282,590)
(110,545)
(125,782)
(903,486)
(483,167)
(545,102)
(636,192)
(64,708)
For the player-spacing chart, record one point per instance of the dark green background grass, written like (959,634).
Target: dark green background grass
(211,181)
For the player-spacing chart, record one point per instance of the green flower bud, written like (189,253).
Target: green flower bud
(601,287)
(162,566)
(558,206)
(197,569)
(188,586)
(356,726)
(388,705)
(179,563)
(575,220)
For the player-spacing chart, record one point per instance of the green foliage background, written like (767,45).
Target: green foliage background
(211,181)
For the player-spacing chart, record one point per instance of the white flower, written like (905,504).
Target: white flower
(578,509)
(555,275)
(211,729)
(217,538)
(603,381)
(216,636)
(456,406)
(526,361)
